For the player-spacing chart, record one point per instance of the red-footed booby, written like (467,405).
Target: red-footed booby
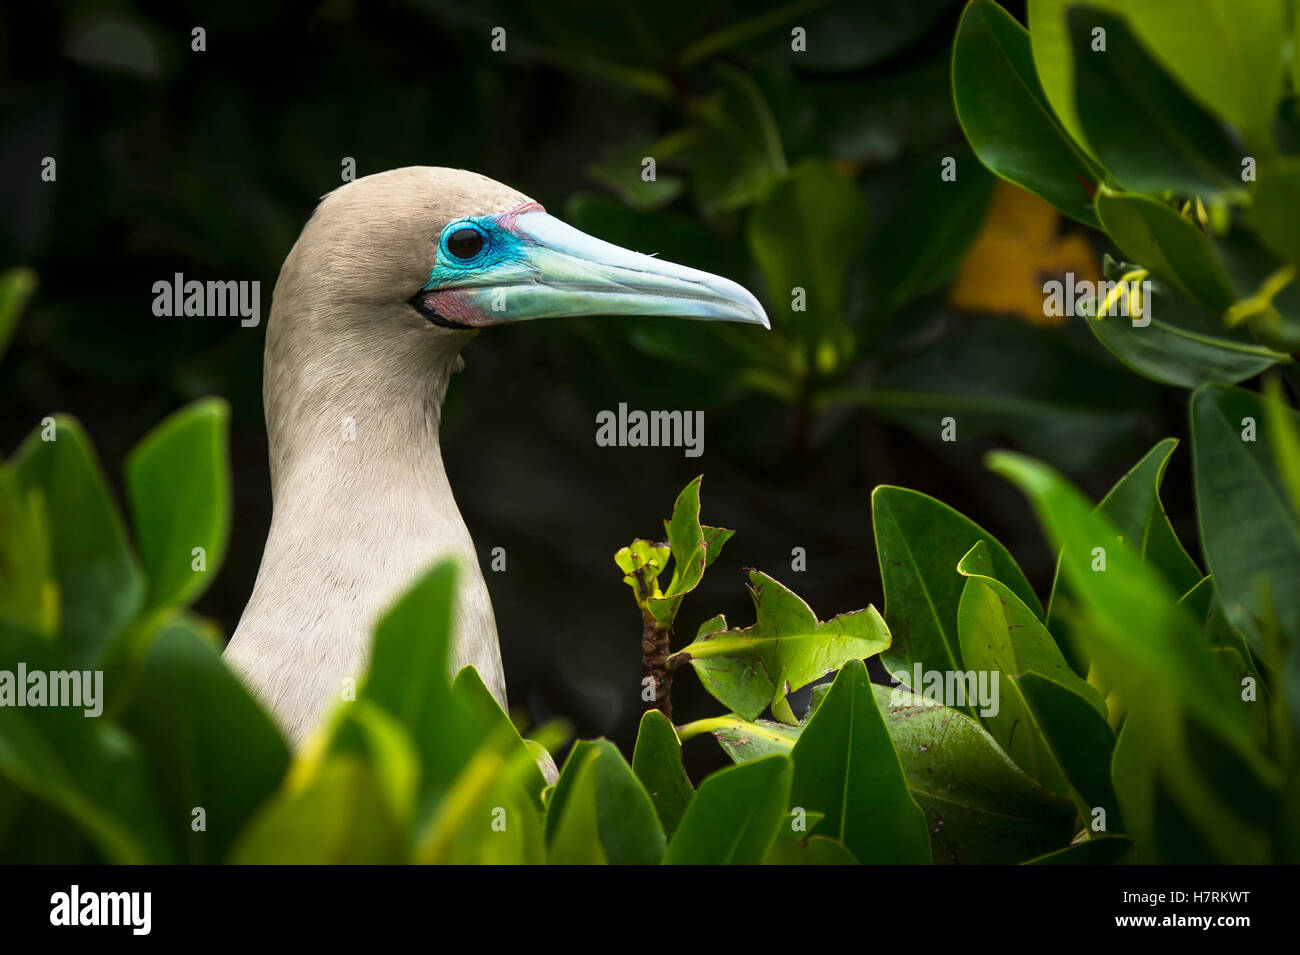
(389,279)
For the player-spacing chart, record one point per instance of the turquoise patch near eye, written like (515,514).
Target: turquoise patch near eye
(500,245)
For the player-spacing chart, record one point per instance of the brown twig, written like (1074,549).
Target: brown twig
(654,662)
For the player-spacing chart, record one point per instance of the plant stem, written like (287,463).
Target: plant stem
(654,662)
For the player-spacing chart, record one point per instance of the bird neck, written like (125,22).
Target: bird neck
(361,508)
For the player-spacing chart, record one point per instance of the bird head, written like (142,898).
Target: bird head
(394,272)
(454,250)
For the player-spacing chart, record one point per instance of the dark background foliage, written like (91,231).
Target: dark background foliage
(208,163)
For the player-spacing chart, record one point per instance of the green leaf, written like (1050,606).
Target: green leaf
(29,597)
(209,746)
(491,813)
(845,766)
(1049,720)
(1225,53)
(1203,604)
(1147,651)
(1154,235)
(1277,206)
(409,679)
(86,768)
(1176,340)
(600,812)
(339,815)
(642,562)
(1015,640)
(1250,534)
(178,484)
(469,691)
(807,850)
(749,668)
(1081,740)
(1105,850)
(657,762)
(1124,599)
(919,542)
(1147,132)
(806,234)
(1005,113)
(735,816)
(100,583)
(744,740)
(16,288)
(1171,355)
(1134,508)
(979,805)
(1284,439)
(693,545)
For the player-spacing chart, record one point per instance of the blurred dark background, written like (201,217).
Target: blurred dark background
(207,163)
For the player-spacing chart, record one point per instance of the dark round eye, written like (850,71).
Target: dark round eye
(465,243)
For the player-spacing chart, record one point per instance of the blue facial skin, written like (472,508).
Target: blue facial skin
(500,245)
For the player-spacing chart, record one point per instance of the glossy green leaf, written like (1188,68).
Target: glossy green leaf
(1155,236)
(693,545)
(749,668)
(979,806)
(999,633)
(744,740)
(1277,205)
(1005,113)
(919,542)
(100,583)
(1177,341)
(845,766)
(1014,638)
(1148,133)
(734,817)
(600,812)
(1249,532)
(209,746)
(1149,655)
(657,762)
(178,484)
(1224,53)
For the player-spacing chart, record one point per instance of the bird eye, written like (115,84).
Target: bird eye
(465,243)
